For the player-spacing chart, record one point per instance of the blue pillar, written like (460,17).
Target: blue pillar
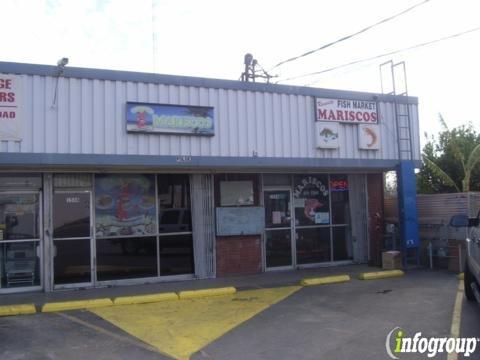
(407,209)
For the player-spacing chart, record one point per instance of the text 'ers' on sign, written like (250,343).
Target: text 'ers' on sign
(10,120)
(347,111)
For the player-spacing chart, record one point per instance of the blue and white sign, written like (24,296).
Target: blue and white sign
(170,119)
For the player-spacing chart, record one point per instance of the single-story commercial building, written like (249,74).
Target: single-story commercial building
(113,177)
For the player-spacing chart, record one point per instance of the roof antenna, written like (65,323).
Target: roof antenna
(251,72)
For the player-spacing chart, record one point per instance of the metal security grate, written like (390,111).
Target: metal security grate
(203,223)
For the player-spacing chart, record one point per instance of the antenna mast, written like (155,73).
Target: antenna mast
(251,73)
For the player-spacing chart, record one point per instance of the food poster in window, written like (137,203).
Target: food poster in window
(125,205)
(311,200)
(18,217)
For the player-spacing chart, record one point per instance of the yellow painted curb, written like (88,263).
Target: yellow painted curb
(380,274)
(461,276)
(143,299)
(77,304)
(325,280)
(191,294)
(20,309)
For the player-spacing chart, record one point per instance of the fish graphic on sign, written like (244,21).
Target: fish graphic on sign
(326,134)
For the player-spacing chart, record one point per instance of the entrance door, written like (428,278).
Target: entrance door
(278,229)
(72,239)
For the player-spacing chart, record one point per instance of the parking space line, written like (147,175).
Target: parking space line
(456,318)
(111,334)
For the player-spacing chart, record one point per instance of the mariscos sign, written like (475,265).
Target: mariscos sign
(170,119)
(10,126)
(347,111)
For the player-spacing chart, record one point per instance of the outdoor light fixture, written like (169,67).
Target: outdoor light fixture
(60,69)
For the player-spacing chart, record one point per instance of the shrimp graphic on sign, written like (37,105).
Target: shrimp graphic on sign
(143,119)
(368,137)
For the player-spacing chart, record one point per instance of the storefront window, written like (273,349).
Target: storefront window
(71,263)
(277,180)
(237,190)
(20,264)
(174,203)
(313,245)
(311,200)
(19,216)
(126,226)
(19,239)
(322,218)
(339,195)
(277,209)
(126,258)
(176,254)
(341,239)
(125,205)
(71,233)
(278,248)
(175,225)
(71,214)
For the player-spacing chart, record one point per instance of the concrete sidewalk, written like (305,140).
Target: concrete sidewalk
(263,280)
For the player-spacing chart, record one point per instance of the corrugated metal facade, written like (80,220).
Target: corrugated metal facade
(358,213)
(89,118)
(438,208)
(435,212)
(203,222)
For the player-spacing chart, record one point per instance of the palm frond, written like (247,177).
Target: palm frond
(456,151)
(474,158)
(466,183)
(443,123)
(458,154)
(434,168)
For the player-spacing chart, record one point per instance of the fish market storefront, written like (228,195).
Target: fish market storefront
(111,177)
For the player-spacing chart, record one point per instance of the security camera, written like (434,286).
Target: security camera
(62,62)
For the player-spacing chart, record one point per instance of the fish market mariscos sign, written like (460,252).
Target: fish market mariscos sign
(348,111)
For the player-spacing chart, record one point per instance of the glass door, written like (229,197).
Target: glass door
(278,229)
(20,240)
(312,219)
(72,239)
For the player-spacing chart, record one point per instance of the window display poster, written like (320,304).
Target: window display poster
(19,216)
(125,205)
(311,197)
(276,217)
(322,218)
(236,193)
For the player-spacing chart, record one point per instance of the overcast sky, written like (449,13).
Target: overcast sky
(209,38)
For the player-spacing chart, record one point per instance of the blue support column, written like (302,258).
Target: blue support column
(407,211)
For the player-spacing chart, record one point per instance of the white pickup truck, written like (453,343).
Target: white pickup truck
(472,265)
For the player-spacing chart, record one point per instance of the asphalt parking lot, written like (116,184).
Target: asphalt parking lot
(340,321)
